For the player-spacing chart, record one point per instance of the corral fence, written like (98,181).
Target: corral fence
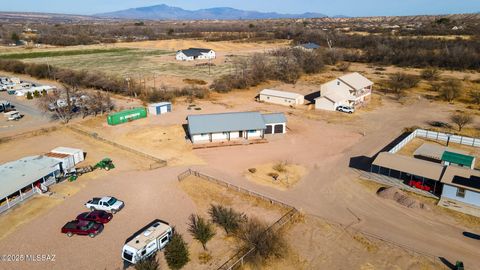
(437,136)
(157,163)
(239,258)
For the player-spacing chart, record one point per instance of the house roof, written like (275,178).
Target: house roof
(274,118)
(356,80)
(23,172)
(434,151)
(409,165)
(310,45)
(225,122)
(336,92)
(195,51)
(462,177)
(282,94)
(456,158)
(159,104)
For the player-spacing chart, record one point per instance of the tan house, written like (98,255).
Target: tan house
(349,90)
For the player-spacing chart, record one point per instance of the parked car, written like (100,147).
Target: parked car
(345,109)
(110,204)
(13,115)
(98,216)
(82,227)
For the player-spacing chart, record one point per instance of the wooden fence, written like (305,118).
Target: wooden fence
(158,163)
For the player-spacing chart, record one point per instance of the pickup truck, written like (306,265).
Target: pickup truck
(82,227)
(98,216)
(110,204)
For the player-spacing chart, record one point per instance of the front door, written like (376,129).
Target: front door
(240,134)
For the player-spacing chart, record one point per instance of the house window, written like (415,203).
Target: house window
(203,134)
(252,131)
(461,192)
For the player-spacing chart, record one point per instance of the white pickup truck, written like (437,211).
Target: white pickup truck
(110,204)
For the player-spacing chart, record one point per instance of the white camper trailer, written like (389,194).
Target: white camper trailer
(147,241)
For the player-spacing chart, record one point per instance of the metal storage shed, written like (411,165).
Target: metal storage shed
(458,159)
(159,108)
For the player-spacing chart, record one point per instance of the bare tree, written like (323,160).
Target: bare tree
(475,96)
(461,120)
(61,105)
(399,82)
(451,89)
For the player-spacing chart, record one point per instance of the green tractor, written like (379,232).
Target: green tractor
(105,164)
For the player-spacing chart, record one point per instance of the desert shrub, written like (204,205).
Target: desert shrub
(430,74)
(344,66)
(399,82)
(475,96)
(227,218)
(176,252)
(274,175)
(204,257)
(252,170)
(36,94)
(149,263)
(195,81)
(201,230)
(29,95)
(280,166)
(267,243)
(450,89)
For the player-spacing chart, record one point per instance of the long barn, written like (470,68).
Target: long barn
(206,128)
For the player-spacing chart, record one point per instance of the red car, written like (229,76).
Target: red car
(98,216)
(82,227)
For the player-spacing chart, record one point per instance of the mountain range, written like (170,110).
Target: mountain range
(164,12)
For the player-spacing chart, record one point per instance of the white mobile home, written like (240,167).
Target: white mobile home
(234,126)
(281,97)
(159,108)
(78,154)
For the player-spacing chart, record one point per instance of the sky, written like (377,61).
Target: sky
(327,7)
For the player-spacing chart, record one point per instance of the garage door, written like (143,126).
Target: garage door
(269,129)
(278,129)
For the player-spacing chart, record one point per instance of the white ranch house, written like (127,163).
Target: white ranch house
(281,97)
(349,90)
(207,128)
(195,54)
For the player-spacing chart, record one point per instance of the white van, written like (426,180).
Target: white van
(146,242)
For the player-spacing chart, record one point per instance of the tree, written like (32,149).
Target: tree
(29,95)
(475,96)
(267,242)
(399,82)
(176,252)
(55,101)
(451,89)
(201,230)
(149,263)
(15,37)
(461,120)
(227,218)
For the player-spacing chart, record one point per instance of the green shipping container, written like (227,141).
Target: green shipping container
(126,116)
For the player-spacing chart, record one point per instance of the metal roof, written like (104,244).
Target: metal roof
(409,165)
(67,150)
(281,94)
(462,177)
(356,80)
(310,45)
(23,172)
(274,118)
(225,122)
(434,151)
(159,104)
(195,51)
(456,158)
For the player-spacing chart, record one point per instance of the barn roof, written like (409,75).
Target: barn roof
(225,122)
(456,158)
(282,94)
(23,172)
(195,51)
(409,165)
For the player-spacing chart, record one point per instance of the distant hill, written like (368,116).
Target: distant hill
(164,12)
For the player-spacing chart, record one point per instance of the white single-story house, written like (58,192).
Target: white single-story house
(349,90)
(310,46)
(21,178)
(194,54)
(159,108)
(205,128)
(462,185)
(281,97)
